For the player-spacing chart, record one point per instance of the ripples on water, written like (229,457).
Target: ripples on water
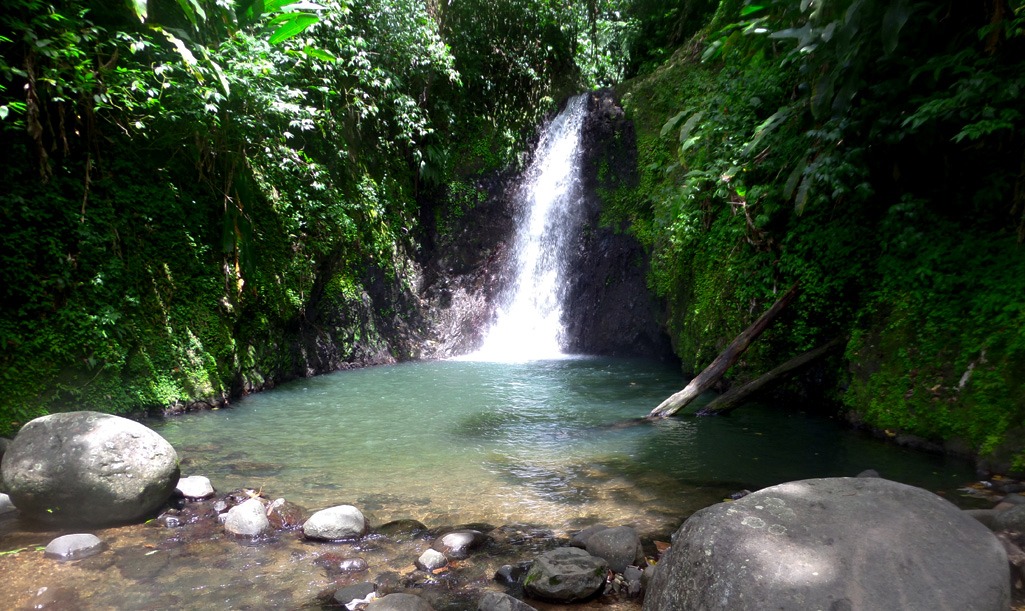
(546,442)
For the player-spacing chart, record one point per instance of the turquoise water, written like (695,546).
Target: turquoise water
(549,442)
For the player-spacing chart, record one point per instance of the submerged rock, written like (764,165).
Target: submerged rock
(497,601)
(248,519)
(565,574)
(336,523)
(74,547)
(285,515)
(89,468)
(399,602)
(836,543)
(354,593)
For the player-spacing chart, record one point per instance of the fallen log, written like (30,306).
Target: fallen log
(715,371)
(732,399)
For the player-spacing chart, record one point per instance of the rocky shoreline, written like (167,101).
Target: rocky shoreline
(832,539)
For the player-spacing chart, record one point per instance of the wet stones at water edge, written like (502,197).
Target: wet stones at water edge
(620,547)
(6,506)
(285,515)
(831,544)
(566,574)
(338,523)
(248,519)
(399,602)
(74,547)
(458,544)
(195,487)
(497,601)
(355,594)
(88,468)
(431,560)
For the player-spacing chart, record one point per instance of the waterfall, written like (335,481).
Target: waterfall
(528,325)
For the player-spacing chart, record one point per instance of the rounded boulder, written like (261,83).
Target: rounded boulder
(88,468)
(835,543)
(341,522)
(565,574)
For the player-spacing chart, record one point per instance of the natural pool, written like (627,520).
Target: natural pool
(536,449)
(543,441)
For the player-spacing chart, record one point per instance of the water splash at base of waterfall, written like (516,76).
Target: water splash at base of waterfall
(528,325)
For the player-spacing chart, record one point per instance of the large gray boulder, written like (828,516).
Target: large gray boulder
(837,543)
(88,468)
(565,574)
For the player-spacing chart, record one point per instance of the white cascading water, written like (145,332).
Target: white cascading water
(528,325)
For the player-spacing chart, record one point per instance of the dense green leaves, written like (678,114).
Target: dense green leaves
(872,152)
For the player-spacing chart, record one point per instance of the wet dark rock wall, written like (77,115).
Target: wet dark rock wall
(609,309)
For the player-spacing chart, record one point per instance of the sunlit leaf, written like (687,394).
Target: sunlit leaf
(139,8)
(179,46)
(292,27)
(320,54)
(689,126)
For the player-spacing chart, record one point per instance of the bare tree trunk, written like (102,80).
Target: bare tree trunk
(732,399)
(704,380)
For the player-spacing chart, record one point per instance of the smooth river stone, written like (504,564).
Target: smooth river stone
(6,506)
(74,547)
(248,519)
(565,574)
(400,602)
(195,487)
(336,523)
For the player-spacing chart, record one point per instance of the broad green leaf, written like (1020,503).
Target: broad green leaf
(765,128)
(802,194)
(751,9)
(893,22)
(822,95)
(292,27)
(192,9)
(320,54)
(220,73)
(302,6)
(688,127)
(139,8)
(791,185)
(672,123)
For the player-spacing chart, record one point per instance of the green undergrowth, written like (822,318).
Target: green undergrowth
(861,167)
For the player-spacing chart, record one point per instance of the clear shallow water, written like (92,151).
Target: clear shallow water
(545,442)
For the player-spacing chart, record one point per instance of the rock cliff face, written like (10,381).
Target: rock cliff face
(609,309)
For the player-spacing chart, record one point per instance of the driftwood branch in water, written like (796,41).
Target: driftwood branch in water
(704,380)
(732,399)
